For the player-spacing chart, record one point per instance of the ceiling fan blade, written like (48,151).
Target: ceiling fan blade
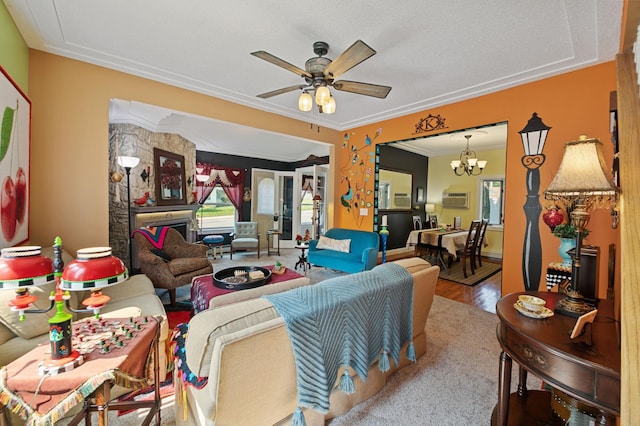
(356,53)
(283,90)
(368,89)
(279,62)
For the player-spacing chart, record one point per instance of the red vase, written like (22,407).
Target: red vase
(553,217)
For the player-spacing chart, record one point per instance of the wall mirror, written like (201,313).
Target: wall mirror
(170,182)
(394,190)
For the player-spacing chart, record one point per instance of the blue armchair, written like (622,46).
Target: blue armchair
(362,254)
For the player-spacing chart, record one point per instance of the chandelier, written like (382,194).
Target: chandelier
(468,162)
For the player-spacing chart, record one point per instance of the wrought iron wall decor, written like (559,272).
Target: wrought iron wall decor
(430,123)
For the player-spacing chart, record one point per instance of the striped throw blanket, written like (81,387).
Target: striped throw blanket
(352,321)
(155,235)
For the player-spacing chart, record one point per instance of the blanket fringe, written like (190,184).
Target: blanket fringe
(298,418)
(411,352)
(346,383)
(383,364)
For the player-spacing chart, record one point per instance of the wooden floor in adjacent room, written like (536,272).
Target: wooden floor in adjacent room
(484,295)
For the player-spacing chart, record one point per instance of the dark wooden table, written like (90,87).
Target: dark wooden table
(590,374)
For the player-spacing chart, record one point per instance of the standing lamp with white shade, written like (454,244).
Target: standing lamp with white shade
(129,163)
(581,180)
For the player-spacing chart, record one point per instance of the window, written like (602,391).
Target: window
(491,201)
(217,211)
(266,193)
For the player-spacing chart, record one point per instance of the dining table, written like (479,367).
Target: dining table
(440,240)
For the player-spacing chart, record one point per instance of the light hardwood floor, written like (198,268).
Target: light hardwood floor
(484,295)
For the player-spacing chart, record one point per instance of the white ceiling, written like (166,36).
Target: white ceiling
(432,52)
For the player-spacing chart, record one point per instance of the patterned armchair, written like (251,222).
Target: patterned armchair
(173,265)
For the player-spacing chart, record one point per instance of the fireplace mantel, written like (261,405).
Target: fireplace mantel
(156,209)
(166,216)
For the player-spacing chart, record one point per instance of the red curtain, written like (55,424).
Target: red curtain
(231,181)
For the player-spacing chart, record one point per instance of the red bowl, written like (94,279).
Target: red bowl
(20,264)
(94,267)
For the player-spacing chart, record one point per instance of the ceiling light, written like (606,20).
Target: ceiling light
(330,107)
(305,102)
(468,162)
(322,95)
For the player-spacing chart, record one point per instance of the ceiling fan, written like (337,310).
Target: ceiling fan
(321,72)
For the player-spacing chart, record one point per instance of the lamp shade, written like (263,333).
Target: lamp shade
(24,266)
(322,95)
(305,102)
(429,208)
(582,174)
(128,162)
(93,268)
(330,107)
(534,135)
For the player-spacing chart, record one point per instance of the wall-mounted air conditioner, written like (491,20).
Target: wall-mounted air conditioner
(455,200)
(402,199)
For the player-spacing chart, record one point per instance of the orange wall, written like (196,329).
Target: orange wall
(69,187)
(69,151)
(571,104)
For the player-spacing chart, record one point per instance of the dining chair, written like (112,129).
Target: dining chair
(417,223)
(469,249)
(480,241)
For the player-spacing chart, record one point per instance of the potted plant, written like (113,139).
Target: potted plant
(567,234)
(278,268)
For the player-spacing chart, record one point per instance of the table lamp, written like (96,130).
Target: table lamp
(94,269)
(582,181)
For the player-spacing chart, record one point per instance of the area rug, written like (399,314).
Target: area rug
(178,317)
(455,273)
(146,394)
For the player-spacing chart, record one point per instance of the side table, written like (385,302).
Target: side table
(273,236)
(589,374)
(302,262)
(132,362)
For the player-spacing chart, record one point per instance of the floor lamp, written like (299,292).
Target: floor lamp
(582,181)
(129,163)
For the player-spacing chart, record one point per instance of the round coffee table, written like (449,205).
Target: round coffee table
(239,277)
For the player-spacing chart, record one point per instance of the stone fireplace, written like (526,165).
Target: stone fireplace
(132,140)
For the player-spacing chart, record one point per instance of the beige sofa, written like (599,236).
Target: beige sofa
(244,350)
(136,296)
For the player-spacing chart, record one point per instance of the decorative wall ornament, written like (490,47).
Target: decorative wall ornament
(358,175)
(430,124)
(533,137)
(15,118)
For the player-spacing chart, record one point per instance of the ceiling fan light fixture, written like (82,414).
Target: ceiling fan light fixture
(322,95)
(305,102)
(330,107)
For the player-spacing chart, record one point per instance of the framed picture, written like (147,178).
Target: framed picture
(420,195)
(15,139)
(171,186)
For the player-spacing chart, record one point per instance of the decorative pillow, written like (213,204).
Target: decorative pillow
(332,244)
(162,254)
